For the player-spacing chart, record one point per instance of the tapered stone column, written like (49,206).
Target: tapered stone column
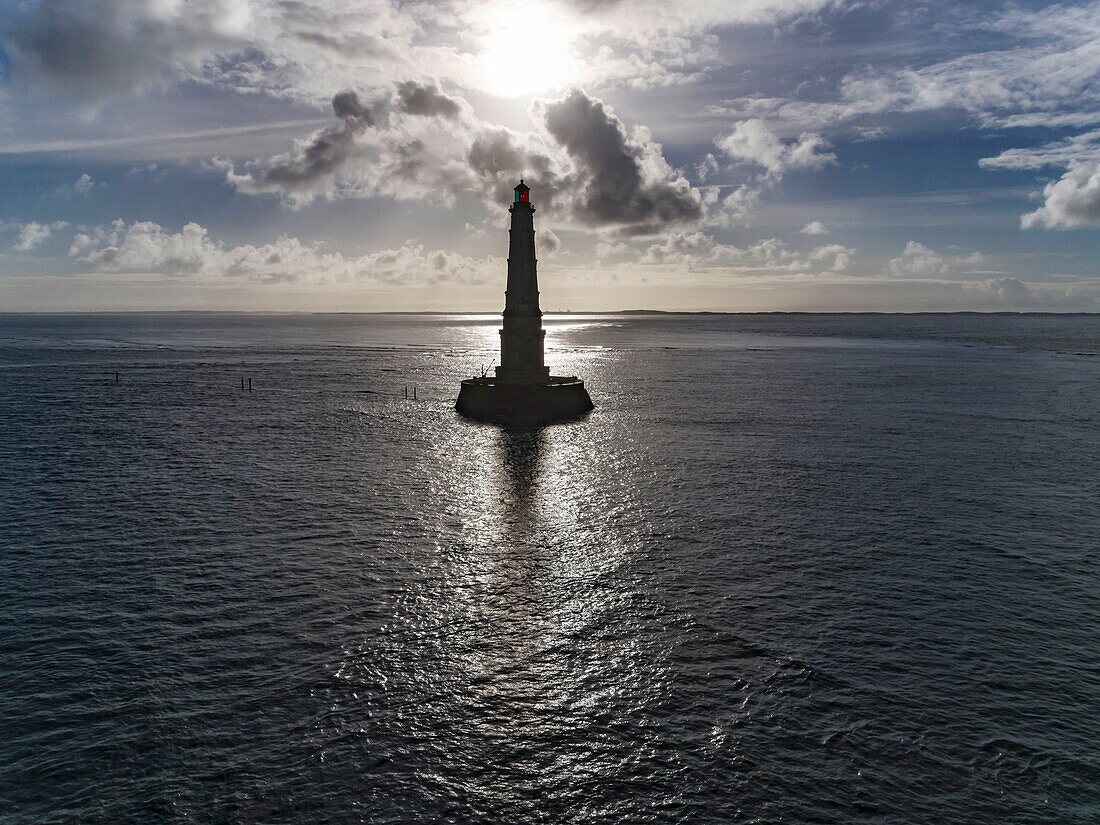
(522,339)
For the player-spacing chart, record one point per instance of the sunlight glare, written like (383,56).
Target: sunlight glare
(527,51)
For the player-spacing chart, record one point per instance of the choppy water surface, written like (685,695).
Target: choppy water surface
(792,569)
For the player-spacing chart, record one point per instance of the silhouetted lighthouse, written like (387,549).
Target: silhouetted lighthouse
(523,390)
(522,339)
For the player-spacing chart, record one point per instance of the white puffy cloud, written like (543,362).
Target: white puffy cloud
(81,186)
(699,250)
(834,257)
(814,228)
(736,208)
(79,244)
(678,247)
(1073,200)
(919,261)
(32,234)
(1070,202)
(1011,293)
(751,140)
(147,247)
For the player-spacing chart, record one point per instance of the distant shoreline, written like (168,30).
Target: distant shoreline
(692,312)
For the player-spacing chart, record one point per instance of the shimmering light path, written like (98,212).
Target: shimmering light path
(791,569)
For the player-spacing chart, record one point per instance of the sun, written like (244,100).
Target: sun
(526,52)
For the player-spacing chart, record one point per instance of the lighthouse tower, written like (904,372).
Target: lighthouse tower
(522,338)
(523,391)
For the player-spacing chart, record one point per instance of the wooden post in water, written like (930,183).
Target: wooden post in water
(250,385)
(116,376)
(414,392)
(242,382)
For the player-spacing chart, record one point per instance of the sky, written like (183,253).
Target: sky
(739,155)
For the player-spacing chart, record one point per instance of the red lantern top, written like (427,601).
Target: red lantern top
(523,192)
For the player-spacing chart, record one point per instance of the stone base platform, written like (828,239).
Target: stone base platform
(490,399)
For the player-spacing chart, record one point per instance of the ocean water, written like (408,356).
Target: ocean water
(791,569)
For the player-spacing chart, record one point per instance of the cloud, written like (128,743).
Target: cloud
(81,186)
(307,51)
(833,257)
(33,234)
(585,167)
(1062,153)
(415,99)
(80,243)
(918,260)
(1013,294)
(679,247)
(96,48)
(618,178)
(707,167)
(814,228)
(611,249)
(549,244)
(699,250)
(308,170)
(147,247)
(751,140)
(1009,291)
(1022,68)
(736,208)
(1070,202)
(1037,63)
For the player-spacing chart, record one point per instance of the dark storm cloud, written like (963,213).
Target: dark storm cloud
(585,168)
(601,178)
(494,152)
(79,45)
(498,159)
(95,48)
(616,185)
(321,155)
(346,105)
(426,100)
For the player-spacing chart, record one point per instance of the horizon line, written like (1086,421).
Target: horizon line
(1000,312)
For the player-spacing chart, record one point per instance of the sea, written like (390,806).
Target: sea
(791,569)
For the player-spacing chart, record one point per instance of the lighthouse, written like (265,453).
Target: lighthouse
(523,390)
(522,338)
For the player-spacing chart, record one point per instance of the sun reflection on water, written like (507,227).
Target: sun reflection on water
(524,633)
(527,587)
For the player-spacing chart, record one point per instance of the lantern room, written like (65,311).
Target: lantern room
(523,192)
